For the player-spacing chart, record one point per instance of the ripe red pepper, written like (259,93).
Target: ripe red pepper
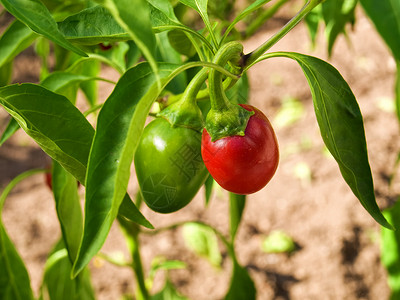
(243,164)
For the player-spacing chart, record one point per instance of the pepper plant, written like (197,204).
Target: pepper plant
(186,73)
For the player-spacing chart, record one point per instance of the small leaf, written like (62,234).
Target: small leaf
(11,128)
(14,278)
(278,242)
(120,124)
(35,15)
(203,241)
(312,21)
(390,250)
(342,128)
(291,111)
(337,14)
(57,284)
(6,71)
(236,208)
(241,286)
(14,40)
(208,188)
(168,293)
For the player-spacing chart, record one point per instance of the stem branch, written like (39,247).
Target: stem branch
(253,56)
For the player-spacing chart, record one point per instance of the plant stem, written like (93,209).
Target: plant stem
(265,16)
(131,231)
(228,52)
(254,55)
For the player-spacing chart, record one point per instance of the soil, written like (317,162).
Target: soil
(338,246)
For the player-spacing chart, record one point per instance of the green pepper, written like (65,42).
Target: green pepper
(169,166)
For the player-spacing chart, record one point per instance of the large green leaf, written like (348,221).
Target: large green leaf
(68,208)
(60,129)
(35,15)
(385,14)
(120,124)
(16,38)
(390,250)
(53,122)
(57,283)
(341,125)
(92,26)
(241,286)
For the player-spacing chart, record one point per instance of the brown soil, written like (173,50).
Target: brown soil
(338,254)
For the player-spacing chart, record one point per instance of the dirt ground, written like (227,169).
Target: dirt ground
(338,248)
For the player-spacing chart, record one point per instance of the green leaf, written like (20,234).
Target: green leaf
(248,10)
(385,14)
(236,207)
(6,71)
(341,125)
(57,283)
(93,26)
(53,122)
(201,7)
(278,242)
(14,40)
(390,250)
(59,82)
(65,190)
(14,278)
(312,21)
(11,128)
(168,293)
(208,187)
(36,16)
(117,55)
(336,14)
(180,42)
(203,241)
(241,286)
(134,17)
(162,13)
(59,128)
(120,124)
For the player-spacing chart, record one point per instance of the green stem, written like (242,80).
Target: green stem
(131,231)
(224,118)
(229,52)
(15,181)
(188,30)
(265,16)
(223,239)
(253,56)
